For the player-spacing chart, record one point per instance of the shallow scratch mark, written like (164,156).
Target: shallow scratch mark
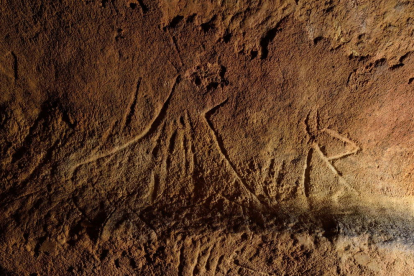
(158,137)
(204,256)
(129,111)
(189,141)
(196,255)
(281,174)
(211,262)
(152,190)
(306,174)
(185,158)
(169,149)
(174,43)
(163,176)
(268,171)
(15,66)
(156,188)
(256,272)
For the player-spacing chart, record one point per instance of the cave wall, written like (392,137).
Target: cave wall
(206,137)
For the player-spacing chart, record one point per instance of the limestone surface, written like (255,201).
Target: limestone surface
(222,137)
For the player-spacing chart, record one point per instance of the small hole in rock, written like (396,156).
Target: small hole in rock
(133,264)
(104,254)
(253,54)
(317,40)
(227,38)
(197,81)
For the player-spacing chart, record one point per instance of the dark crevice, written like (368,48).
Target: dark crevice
(396,66)
(208,25)
(190,19)
(133,263)
(380,62)
(401,61)
(212,85)
(104,254)
(174,22)
(143,6)
(197,81)
(318,39)
(328,10)
(268,37)
(223,71)
(358,58)
(330,227)
(104,3)
(404,57)
(182,260)
(227,37)
(253,54)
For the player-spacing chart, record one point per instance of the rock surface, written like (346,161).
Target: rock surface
(206,137)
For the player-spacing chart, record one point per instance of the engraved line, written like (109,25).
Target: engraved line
(225,155)
(331,167)
(150,127)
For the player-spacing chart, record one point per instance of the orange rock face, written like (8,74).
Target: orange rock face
(206,137)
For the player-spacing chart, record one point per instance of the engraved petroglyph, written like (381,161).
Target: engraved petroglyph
(156,121)
(312,131)
(225,156)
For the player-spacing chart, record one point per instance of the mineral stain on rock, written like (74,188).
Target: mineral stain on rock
(206,137)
